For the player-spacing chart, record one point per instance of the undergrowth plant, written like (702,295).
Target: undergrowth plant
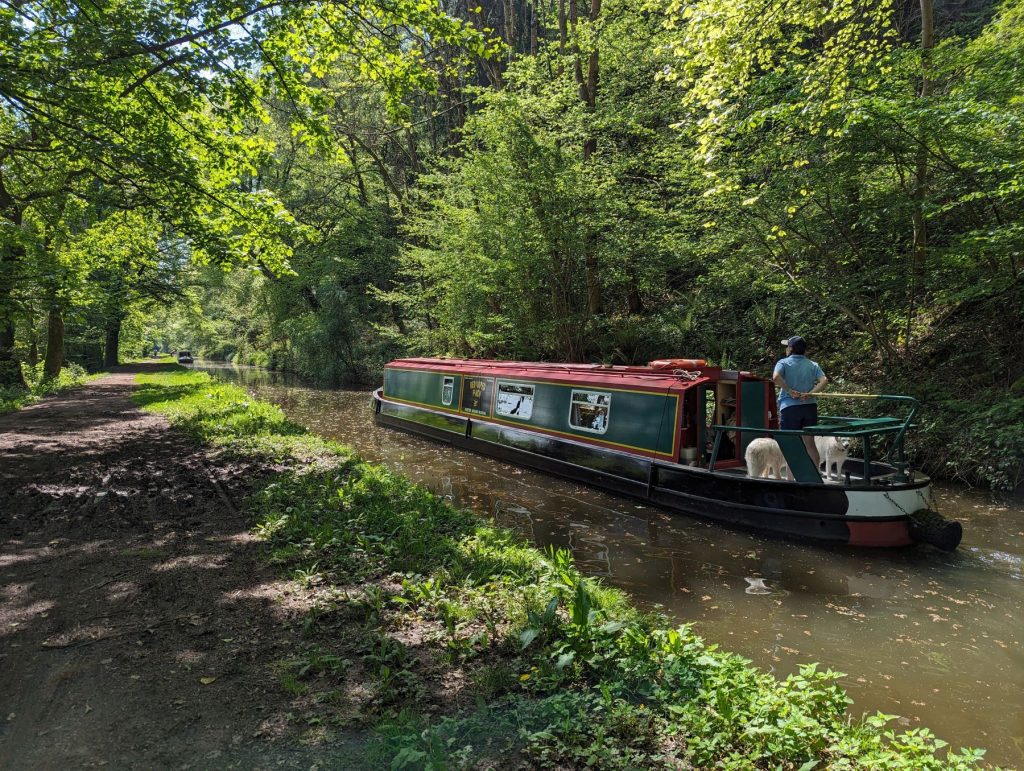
(566,671)
(15,397)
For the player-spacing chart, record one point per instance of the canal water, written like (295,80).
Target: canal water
(935,638)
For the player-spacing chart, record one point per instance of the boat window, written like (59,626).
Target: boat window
(447,390)
(589,411)
(515,400)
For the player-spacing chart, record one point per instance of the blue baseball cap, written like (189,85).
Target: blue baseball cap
(797,343)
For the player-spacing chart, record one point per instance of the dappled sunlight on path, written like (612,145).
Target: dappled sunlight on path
(138,624)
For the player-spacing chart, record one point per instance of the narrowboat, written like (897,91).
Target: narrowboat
(672,433)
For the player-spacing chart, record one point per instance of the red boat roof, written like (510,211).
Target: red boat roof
(669,374)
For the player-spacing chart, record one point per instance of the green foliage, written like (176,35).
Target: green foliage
(813,134)
(318,320)
(150,111)
(988,442)
(503,239)
(695,179)
(15,397)
(570,675)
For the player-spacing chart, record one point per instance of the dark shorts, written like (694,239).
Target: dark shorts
(798,416)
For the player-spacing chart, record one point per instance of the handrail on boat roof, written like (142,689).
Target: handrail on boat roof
(897,444)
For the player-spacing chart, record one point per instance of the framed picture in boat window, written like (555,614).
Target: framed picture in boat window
(590,410)
(447,390)
(515,400)
(476,395)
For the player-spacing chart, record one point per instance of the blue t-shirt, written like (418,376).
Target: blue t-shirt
(799,373)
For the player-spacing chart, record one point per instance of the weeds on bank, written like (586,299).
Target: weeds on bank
(15,397)
(559,670)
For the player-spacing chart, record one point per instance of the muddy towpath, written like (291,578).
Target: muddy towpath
(139,625)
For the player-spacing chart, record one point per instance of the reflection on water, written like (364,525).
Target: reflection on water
(933,637)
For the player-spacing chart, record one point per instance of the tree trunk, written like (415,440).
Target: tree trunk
(110,350)
(533,28)
(634,301)
(54,360)
(509,12)
(595,303)
(396,316)
(563,37)
(587,82)
(490,67)
(11,211)
(10,369)
(364,199)
(919,250)
(567,333)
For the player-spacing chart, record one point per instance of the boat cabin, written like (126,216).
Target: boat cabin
(665,410)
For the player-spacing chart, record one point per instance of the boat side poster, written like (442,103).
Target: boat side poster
(476,395)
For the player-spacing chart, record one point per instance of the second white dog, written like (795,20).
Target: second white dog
(833,451)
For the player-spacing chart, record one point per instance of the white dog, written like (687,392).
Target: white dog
(764,457)
(833,451)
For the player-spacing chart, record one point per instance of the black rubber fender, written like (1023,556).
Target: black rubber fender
(928,526)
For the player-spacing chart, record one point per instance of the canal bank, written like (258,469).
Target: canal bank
(928,636)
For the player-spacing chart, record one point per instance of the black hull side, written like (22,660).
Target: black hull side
(791,510)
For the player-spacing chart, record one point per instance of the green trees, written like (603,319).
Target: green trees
(550,231)
(347,192)
(150,107)
(844,151)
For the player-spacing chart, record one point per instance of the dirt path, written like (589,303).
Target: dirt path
(138,624)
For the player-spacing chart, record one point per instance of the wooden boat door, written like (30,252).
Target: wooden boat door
(691,426)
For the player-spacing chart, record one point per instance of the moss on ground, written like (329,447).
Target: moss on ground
(472,649)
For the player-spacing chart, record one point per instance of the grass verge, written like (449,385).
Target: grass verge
(471,649)
(14,398)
